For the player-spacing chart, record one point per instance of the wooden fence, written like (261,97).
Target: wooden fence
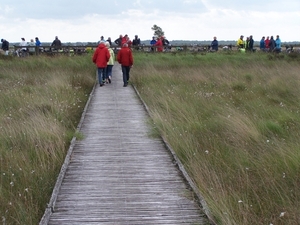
(65,49)
(83,49)
(77,50)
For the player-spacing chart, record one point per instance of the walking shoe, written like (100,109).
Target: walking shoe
(101,85)
(109,80)
(125,85)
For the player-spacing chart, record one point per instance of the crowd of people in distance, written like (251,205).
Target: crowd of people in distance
(265,44)
(29,47)
(104,56)
(161,43)
(135,43)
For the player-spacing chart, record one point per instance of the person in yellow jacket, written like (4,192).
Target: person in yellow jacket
(240,42)
(110,63)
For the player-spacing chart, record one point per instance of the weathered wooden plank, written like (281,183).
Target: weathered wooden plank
(119,175)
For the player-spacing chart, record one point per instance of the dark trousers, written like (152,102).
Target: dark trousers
(101,75)
(109,71)
(125,71)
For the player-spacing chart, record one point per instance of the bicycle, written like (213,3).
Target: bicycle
(21,52)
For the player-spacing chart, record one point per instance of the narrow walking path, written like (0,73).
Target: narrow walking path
(118,174)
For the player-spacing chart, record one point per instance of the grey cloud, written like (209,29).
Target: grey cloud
(255,5)
(66,9)
(178,6)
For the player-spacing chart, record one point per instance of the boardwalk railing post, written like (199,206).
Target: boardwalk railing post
(36,50)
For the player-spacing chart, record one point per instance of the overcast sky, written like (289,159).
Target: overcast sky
(87,20)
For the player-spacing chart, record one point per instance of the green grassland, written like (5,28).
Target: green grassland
(42,99)
(233,120)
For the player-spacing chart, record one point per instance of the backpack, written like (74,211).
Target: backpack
(165,42)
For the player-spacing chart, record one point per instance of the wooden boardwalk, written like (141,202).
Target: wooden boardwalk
(118,174)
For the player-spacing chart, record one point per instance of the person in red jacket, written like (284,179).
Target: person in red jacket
(126,40)
(125,58)
(267,43)
(100,58)
(159,44)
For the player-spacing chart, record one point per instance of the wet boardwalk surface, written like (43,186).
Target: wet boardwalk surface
(117,173)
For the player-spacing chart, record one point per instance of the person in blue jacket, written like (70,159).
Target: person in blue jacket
(262,44)
(37,42)
(152,43)
(277,44)
(214,45)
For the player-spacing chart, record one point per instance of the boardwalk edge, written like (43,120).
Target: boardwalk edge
(182,169)
(51,205)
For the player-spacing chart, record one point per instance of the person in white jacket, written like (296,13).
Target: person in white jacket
(32,46)
(23,43)
(22,51)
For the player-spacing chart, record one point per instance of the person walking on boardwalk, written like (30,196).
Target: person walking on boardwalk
(100,58)
(110,63)
(125,58)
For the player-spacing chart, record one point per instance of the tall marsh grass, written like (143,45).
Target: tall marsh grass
(234,122)
(42,99)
